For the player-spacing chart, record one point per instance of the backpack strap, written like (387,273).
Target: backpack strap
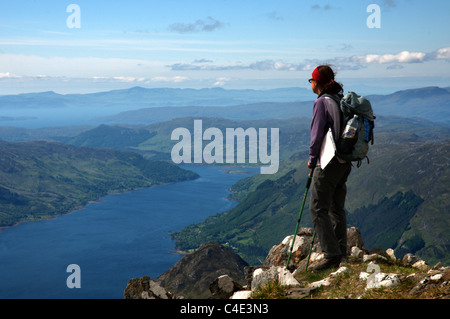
(334,97)
(337,99)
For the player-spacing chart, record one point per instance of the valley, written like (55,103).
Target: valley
(406,180)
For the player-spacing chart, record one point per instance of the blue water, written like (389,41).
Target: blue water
(122,237)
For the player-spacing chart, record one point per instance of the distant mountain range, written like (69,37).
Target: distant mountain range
(149,97)
(430,103)
(145,106)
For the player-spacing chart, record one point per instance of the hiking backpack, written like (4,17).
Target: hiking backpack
(357,129)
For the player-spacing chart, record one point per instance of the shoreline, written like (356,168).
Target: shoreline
(228,169)
(79,207)
(179,252)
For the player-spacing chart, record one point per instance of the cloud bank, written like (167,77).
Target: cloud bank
(353,62)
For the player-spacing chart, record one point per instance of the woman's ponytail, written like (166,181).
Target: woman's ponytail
(333,87)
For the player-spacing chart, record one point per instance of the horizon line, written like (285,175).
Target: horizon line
(211,88)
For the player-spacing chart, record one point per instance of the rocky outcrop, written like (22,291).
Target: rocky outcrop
(274,267)
(224,287)
(193,274)
(278,254)
(214,271)
(205,273)
(145,288)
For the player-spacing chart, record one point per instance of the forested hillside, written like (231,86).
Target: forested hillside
(43,179)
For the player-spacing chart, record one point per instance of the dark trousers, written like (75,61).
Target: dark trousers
(328,192)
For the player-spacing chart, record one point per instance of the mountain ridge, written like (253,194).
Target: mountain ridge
(414,102)
(154,97)
(407,103)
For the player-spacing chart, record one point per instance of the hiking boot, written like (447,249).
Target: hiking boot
(326,263)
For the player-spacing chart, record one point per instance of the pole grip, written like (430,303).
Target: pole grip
(308,182)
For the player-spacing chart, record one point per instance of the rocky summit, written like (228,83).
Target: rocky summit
(214,271)
(192,275)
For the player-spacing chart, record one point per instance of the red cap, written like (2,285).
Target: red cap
(317,76)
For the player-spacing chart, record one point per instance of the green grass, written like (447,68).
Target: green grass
(271,290)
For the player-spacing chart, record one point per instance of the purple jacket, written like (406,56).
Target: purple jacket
(326,114)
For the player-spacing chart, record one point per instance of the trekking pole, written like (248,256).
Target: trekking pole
(310,249)
(308,184)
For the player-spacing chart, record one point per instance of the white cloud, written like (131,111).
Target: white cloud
(221,81)
(78,67)
(131,79)
(8,75)
(173,79)
(264,65)
(352,62)
(402,57)
(128,79)
(441,54)
(20,71)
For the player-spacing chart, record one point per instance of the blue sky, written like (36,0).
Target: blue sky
(221,43)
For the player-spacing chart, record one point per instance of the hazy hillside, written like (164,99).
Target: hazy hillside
(431,103)
(146,106)
(256,111)
(115,137)
(421,172)
(41,179)
(155,140)
(57,133)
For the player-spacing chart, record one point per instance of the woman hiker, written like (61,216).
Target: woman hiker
(328,189)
